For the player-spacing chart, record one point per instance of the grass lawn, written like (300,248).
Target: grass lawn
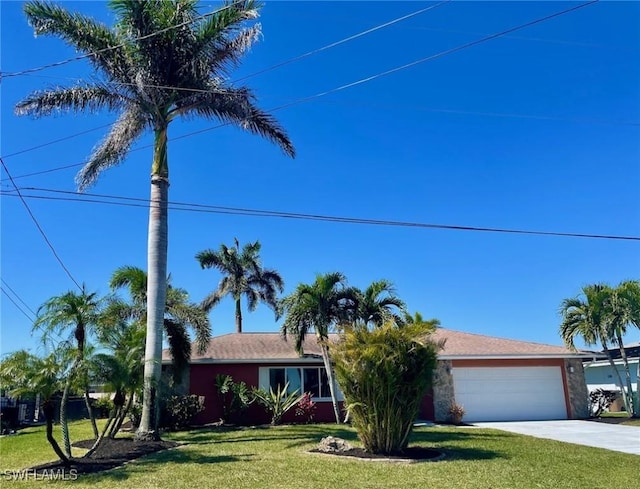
(621,418)
(275,458)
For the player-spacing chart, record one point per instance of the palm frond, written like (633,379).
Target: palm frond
(237,107)
(78,98)
(114,147)
(84,33)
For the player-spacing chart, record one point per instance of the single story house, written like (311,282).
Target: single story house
(494,379)
(599,374)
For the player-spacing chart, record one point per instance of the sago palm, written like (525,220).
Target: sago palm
(319,308)
(243,275)
(161,61)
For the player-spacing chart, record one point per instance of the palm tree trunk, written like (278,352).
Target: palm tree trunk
(94,425)
(330,378)
(623,354)
(47,410)
(625,398)
(64,422)
(238,317)
(156,286)
(123,413)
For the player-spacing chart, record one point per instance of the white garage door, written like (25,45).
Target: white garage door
(510,393)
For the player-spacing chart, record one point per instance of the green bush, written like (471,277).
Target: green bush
(180,410)
(102,406)
(235,397)
(384,374)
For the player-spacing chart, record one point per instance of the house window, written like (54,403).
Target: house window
(303,379)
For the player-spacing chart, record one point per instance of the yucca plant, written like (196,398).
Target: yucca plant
(383,374)
(279,402)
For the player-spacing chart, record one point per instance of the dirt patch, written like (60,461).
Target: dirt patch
(409,455)
(111,453)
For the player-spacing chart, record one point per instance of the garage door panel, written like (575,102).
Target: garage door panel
(510,393)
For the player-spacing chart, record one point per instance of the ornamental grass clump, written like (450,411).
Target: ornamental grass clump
(384,374)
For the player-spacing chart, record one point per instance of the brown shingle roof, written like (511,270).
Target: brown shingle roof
(476,345)
(271,346)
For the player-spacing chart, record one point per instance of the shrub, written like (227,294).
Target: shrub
(135,413)
(235,397)
(600,400)
(456,413)
(277,403)
(180,410)
(102,406)
(306,408)
(384,374)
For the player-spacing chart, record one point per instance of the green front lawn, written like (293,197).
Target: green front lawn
(275,458)
(620,418)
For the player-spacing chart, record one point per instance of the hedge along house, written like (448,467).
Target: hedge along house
(494,379)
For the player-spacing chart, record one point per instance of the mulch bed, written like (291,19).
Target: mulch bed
(609,420)
(110,454)
(411,454)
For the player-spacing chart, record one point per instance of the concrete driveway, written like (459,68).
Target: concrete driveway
(590,433)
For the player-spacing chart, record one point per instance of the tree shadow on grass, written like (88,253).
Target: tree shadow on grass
(167,458)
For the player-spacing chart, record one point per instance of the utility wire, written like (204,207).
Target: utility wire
(251,75)
(31,319)
(118,46)
(35,221)
(211,209)
(342,41)
(394,70)
(361,81)
(18,297)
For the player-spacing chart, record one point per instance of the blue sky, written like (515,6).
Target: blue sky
(538,130)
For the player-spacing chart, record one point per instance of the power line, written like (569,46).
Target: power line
(118,46)
(35,221)
(365,104)
(251,75)
(387,72)
(399,68)
(18,297)
(212,209)
(31,320)
(363,80)
(342,41)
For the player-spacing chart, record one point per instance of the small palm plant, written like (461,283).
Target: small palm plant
(279,402)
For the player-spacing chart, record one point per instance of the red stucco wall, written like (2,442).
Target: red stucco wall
(202,383)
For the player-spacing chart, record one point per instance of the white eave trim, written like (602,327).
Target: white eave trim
(289,361)
(513,357)
(617,361)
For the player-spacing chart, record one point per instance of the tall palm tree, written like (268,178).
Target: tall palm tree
(161,61)
(379,304)
(590,318)
(78,312)
(319,307)
(23,373)
(243,274)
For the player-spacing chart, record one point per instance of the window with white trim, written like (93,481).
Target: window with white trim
(303,379)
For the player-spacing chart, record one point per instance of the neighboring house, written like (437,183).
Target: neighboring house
(599,374)
(494,379)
